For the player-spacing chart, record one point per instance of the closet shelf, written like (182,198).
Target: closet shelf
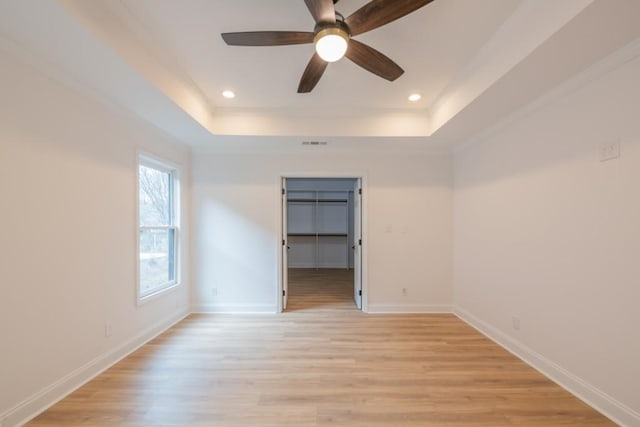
(319,234)
(318,222)
(317,200)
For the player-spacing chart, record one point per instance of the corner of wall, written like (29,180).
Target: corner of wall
(607,405)
(53,393)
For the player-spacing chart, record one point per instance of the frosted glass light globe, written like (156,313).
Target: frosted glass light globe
(331,44)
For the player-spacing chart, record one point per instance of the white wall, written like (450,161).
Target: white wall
(547,233)
(68,249)
(237,215)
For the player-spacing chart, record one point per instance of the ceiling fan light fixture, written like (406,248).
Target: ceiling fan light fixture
(331,43)
(332,40)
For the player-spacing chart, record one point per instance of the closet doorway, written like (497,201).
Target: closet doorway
(321,244)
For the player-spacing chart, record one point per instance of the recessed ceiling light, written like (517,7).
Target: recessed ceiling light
(415,97)
(228,94)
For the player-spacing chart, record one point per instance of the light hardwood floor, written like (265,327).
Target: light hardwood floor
(320,290)
(321,363)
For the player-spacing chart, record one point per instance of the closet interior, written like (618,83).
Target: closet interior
(320,222)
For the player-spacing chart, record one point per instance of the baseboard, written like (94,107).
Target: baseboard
(409,308)
(320,267)
(592,396)
(234,308)
(34,405)
(48,396)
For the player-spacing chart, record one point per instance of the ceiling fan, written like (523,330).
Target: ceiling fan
(332,37)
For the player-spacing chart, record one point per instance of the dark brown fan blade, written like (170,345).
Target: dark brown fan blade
(373,61)
(377,13)
(267,38)
(312,74)
(322,11)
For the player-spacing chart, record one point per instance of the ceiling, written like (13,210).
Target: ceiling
(267,77)
(474,62)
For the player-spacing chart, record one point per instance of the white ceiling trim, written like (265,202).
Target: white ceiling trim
(530,26)
(44,35)
(334,123)
(91,46)
(107,21)
(611,63)
(527,29)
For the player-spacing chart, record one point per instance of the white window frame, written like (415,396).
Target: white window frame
(173,170)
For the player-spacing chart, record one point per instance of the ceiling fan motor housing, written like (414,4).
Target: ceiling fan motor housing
(331,30)
(339,24)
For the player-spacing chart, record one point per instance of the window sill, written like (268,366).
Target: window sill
(155,295)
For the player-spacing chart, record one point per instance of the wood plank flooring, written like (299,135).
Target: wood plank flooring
(322,363)
(322,289)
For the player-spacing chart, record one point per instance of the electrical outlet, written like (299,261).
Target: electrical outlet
(515,321)
(214,292)
(404,292)
(610,151)
(107,329)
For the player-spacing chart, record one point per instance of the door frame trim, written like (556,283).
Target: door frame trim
(280,228)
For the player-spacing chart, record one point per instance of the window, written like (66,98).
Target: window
(157,227)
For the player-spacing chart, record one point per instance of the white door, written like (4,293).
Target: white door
(357,243)
(285,247)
